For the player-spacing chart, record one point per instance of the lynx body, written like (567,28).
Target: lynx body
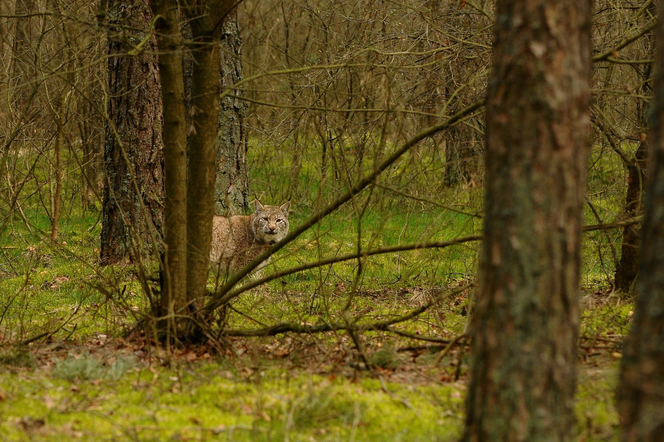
(238,240)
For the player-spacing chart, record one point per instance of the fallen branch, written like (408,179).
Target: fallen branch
(438,245)
(348,326)
(348,257)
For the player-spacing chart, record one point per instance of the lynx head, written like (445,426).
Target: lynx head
(270,223)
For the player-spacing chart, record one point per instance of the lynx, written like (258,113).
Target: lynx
(238,240)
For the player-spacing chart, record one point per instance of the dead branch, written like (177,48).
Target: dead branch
(222,296)
(348,326)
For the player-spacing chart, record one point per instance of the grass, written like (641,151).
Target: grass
(83,380)
(257,401)
(208,402)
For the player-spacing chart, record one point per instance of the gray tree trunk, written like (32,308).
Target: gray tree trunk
(231,192)
(526,323)
(133,152)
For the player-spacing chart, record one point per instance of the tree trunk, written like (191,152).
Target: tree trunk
(628,267)
(24,68)
(56,194)
(641,389)
(133,195)
(207,22)
(174,284)
(202,172)
(525,330)
(232,184)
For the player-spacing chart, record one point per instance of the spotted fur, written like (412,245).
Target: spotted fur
(238,240)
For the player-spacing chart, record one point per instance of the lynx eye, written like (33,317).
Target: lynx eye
(265,218)
(279,220)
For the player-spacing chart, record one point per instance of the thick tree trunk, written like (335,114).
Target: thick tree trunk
(133,195)
(525,329)
(174,285)
(641,390)
(232,185)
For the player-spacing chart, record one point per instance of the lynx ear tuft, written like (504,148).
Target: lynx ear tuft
(285,208)
(258,206)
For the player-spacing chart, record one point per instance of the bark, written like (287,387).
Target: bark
(526,324)
(56,194)
(232,184)
(641,389)
(174,281)
(133,151)
(23,54)
(207,20)
(628,267)
(461,156)
(200,189)
(463,153)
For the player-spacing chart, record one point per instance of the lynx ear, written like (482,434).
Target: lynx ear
(258,206)
(285,208)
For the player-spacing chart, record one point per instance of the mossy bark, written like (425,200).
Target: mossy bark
(526,323)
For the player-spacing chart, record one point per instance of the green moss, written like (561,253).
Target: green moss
(155,405)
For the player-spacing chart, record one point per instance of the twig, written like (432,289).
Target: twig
(223,296)
(447,349)
(625,42)
(614,225)
(310,329)
(394,397)
(348,257)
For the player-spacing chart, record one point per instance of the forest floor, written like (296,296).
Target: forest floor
(72,369)
(288,387)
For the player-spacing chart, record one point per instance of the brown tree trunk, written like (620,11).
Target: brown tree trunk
(231,192)
(133,195)
(628,267)
(174,284)
(202,171)
(525,330)
(207,22)
(24,68)
(641,389)
(462,149)
(56,194)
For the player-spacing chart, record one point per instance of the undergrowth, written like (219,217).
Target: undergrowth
(68,370)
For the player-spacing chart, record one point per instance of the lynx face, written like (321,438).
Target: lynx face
(270,223)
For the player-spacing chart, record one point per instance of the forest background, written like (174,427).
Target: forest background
(369,117)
